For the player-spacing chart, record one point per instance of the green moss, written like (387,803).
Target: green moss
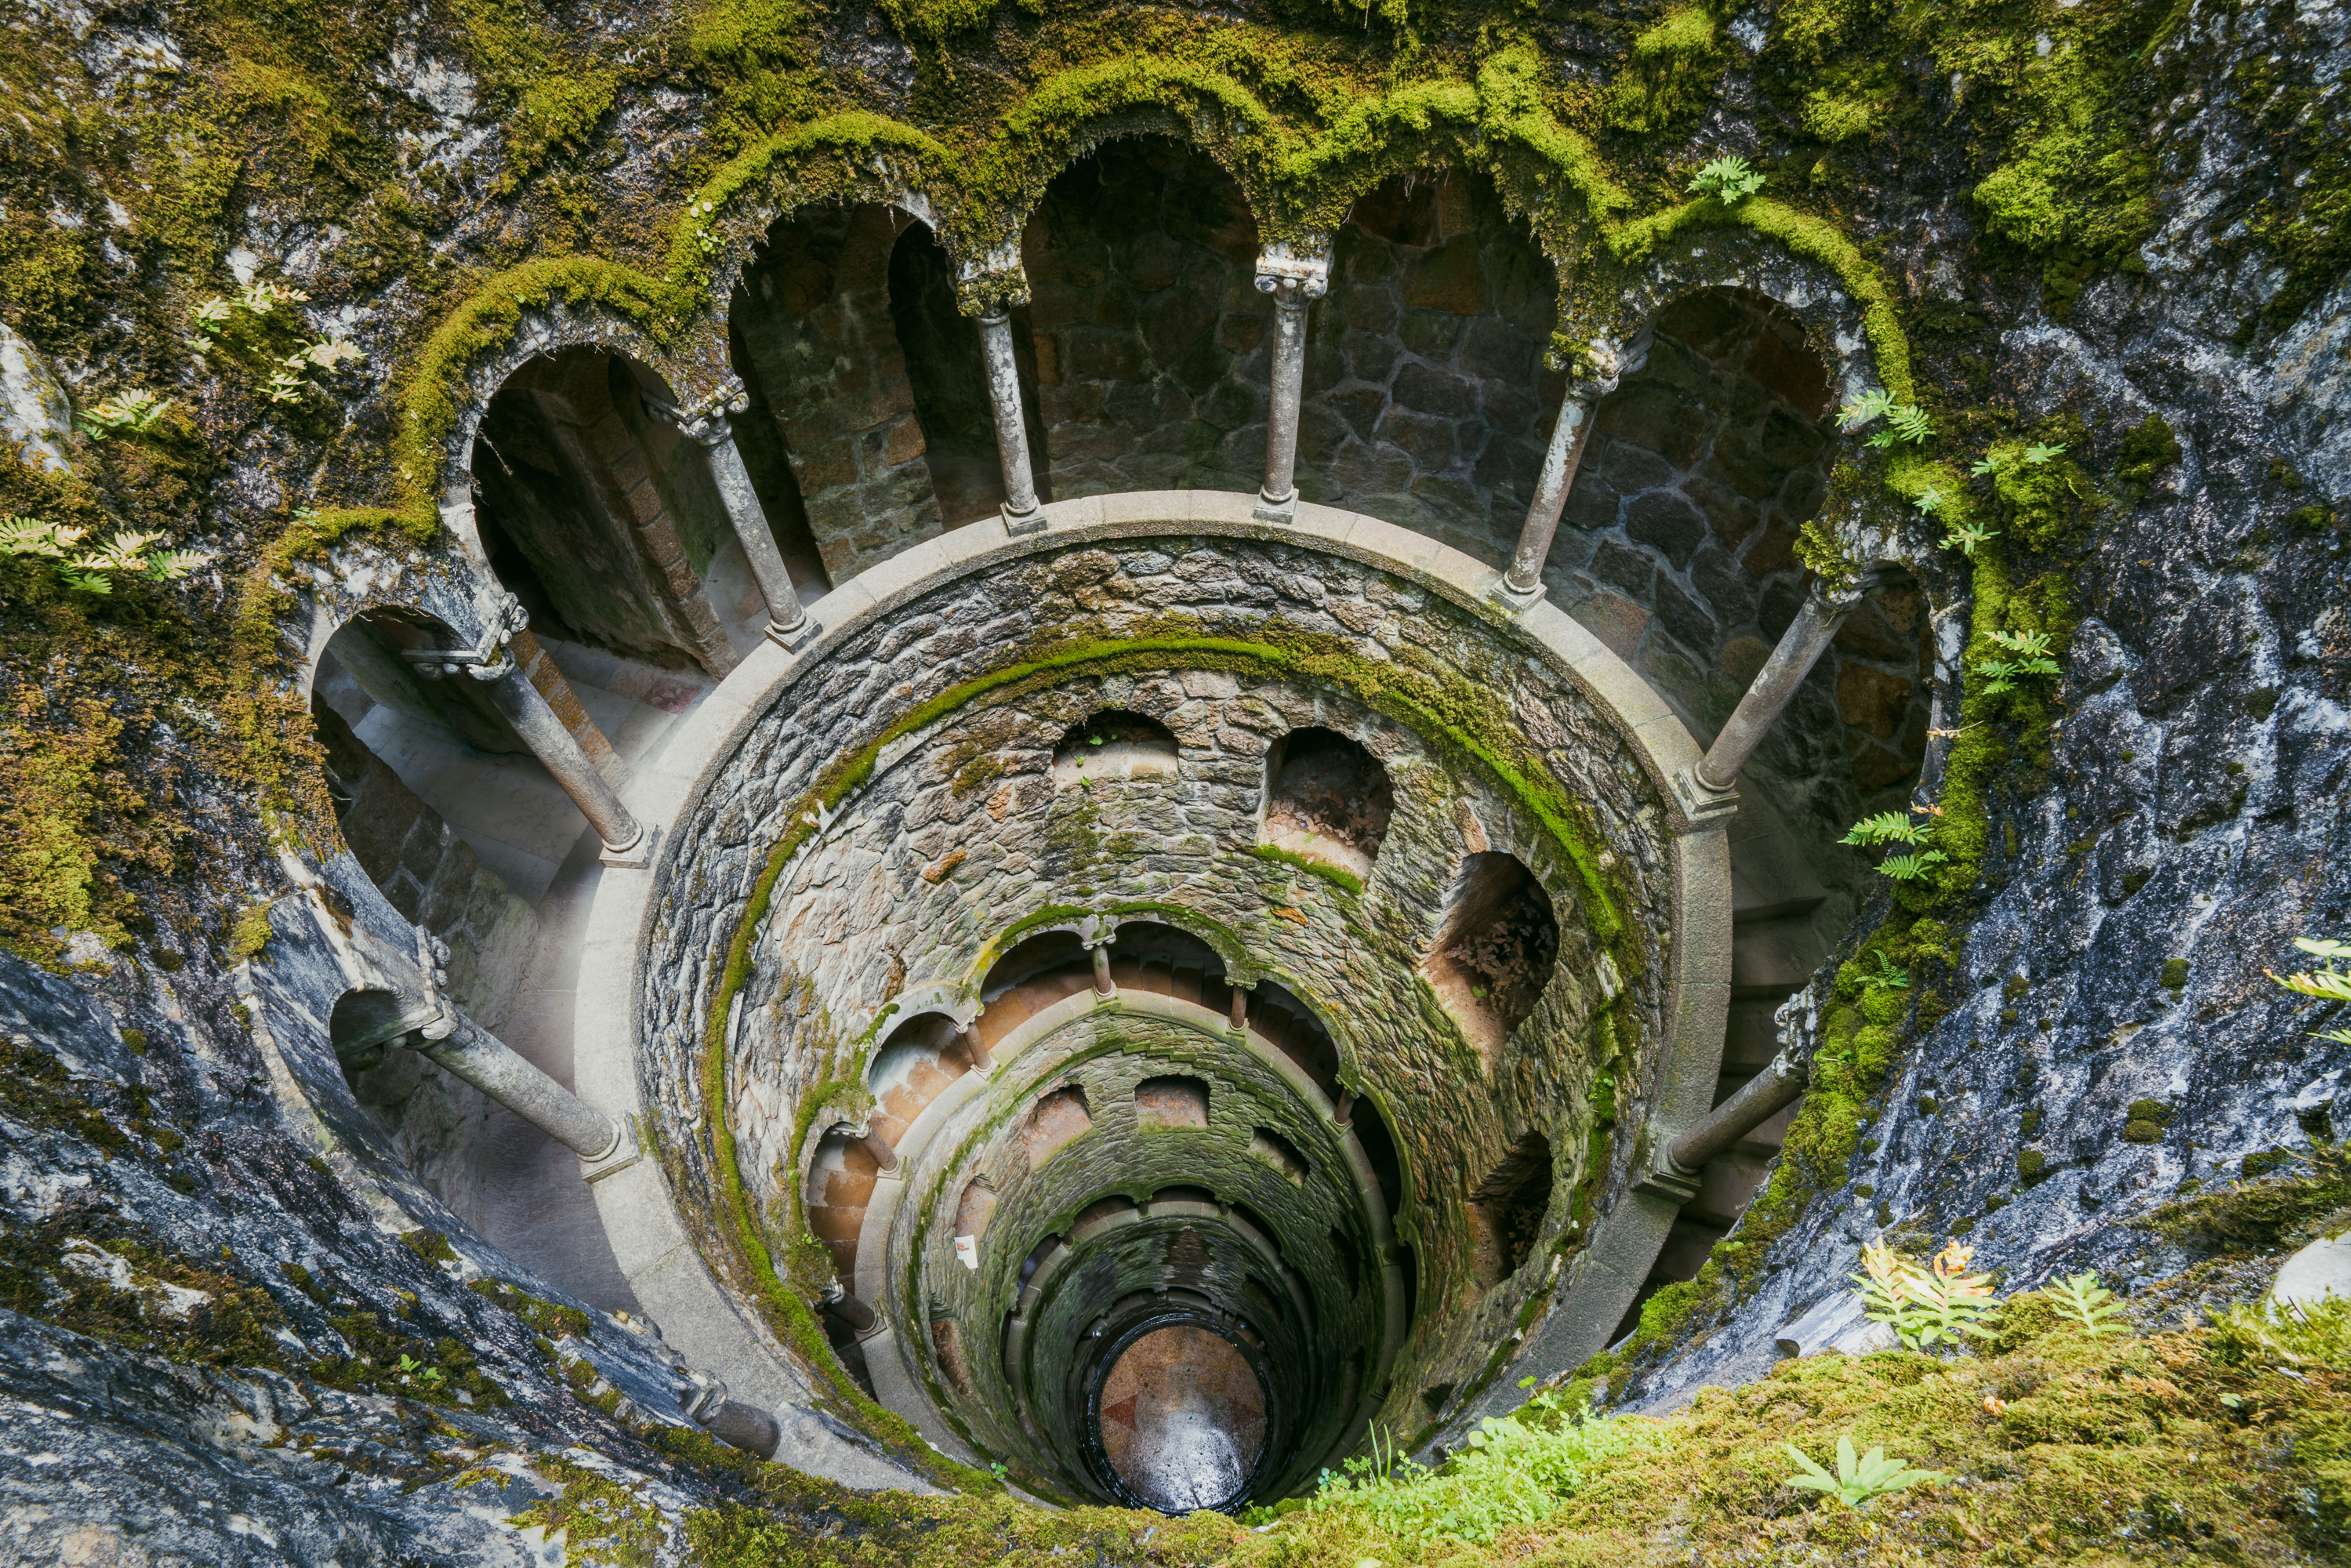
(2174,974)
(1676,61)
(2255,1215)
(1337,876)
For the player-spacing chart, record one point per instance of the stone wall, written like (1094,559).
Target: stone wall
(1426,402)
(1147,324)
(831,438)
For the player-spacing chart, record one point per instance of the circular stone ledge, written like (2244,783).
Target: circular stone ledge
(651,1239)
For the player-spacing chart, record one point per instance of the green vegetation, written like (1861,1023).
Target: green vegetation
(1857,1483)
(1339,877)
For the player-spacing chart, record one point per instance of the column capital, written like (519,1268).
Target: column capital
(1840,598)
(992,283)
(706,421)
(1293,275)
(486,660)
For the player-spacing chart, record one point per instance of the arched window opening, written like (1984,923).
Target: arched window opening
(1293,1028)
(915,1064)
(1379,1145)
(602,517)
(1507,1210)
(1111,747)
(1172,1102)
(1278,1152)
(1495,952)
(409,766)
(1055,1122)
(1151,347)
(1327,798)
(1165,960)
(839,1184)
(832,438)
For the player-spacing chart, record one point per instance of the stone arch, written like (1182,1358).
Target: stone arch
(599,514)
(832,437)
(567,319)
(948,378)
(1037,147)
(1149,335)
(1426,385)
(923,1054)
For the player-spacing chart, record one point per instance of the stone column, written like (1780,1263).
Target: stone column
(1021,513)
(481,1059)
(708,424)
(1294,279)
(975,1047)
(1524,579)
(1774,687)
(1103,982)
(536,726)
(462,1047)
(732,1422)
(1238,1021)
(848,1309)
(1759,1100)
(878,1146)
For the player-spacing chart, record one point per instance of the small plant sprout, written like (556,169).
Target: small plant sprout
(1929,501)
(2031,660)
(2083,1302)
(2037,455)
(1924,1304)
(1985,467)
(1858,1480)
(1895,828)
(2330,983)
(1905,421)
(1727,179)
(134,412)
(1966,536)
(1888,978)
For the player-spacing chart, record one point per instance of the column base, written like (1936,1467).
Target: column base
(623,1153)
(1018,524)
(1270,510)
(1518,602)
(793,637)
(1702,802)
(1668,1180)
(632,857)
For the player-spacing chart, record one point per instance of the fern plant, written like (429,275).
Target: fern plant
(1941,1303)
(1727,179)
(2087,1304)
(1895,828)
(1858,1480)
(1905,421)
(92,570)
(136,412)
(2032,660)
